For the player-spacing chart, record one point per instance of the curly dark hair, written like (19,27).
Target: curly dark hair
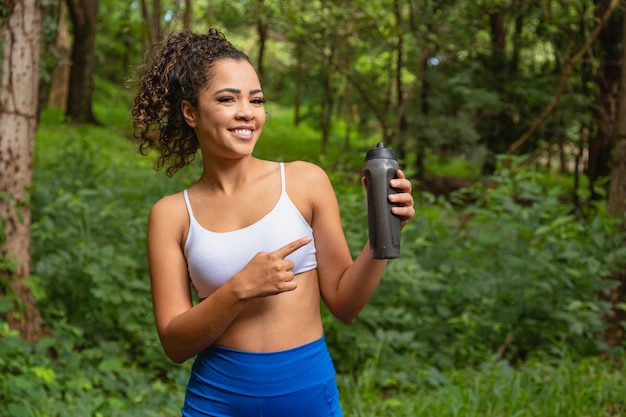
(176,69)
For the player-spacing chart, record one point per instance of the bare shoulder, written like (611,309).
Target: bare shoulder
(309,187)
(170,213)
(306,174)
(170,204)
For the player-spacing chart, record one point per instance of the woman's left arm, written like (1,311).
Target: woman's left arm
(347,285)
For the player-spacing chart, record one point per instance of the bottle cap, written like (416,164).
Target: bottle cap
(380,151)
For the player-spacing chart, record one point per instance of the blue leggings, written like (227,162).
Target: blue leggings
(298,382)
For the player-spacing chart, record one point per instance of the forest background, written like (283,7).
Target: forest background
(508,299)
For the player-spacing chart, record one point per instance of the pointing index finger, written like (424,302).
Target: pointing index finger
(291,247)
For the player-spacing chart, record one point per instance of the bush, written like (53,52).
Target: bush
(510,273)
(53,377)
(505,270)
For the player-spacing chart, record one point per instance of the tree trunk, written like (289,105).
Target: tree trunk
(617,195)
(327,89)
(20,37)
(187,16)
(401,121)
(50,15)
(614,335)
(610,52)
(497,125)
(327,107)
(518,6)
(587,78)
(83,60)
(300,80)
(153,20)
(261,30)
(61,75)
(420,157)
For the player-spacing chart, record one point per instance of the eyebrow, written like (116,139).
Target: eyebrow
(237,91)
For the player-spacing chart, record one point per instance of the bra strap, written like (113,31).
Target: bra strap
(282,177)
(188,204)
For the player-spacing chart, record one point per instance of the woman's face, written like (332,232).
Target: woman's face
(230,114)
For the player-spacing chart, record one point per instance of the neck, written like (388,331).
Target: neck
(228,175)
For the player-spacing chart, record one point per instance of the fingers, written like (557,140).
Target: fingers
(286,283)
(269,273)
(290,248)
(403,200)
(401,183)
(404,212)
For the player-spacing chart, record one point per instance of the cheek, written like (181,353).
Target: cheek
(217,118)
(261,117)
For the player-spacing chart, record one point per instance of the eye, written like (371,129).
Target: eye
(258,101)
(226,99)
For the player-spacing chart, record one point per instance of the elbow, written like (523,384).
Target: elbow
(343,311)
(176,351)
(176,355)
(346,316)
(346,320)
(177,360)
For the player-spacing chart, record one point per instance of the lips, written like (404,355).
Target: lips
(242,132)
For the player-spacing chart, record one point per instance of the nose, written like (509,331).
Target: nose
(244,112)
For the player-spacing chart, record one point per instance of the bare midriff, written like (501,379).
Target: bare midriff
(278,322)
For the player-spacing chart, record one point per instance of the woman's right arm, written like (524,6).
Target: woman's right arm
(185,329)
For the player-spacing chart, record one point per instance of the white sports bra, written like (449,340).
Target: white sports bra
(213,258)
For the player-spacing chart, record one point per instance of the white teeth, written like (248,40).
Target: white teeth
(243,132)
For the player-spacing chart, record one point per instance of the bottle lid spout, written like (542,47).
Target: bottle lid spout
(380,151)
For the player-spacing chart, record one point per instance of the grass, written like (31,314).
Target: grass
(592,387)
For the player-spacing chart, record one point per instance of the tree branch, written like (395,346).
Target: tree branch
(569,67)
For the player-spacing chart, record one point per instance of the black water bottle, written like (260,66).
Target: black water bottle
(381,166)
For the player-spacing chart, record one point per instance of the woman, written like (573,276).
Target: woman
(260,241)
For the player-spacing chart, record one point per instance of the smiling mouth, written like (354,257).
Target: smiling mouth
(242,132)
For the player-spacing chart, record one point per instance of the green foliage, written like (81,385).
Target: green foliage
(505,271)
(588,388)
(120,42)
(3,236)
(53,378)
(91,198)
(7,268)
(351,63)
(511,273)
(92,192)
(50,56)
(284,141)
(493,308)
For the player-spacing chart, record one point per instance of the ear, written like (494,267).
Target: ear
(189,113)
